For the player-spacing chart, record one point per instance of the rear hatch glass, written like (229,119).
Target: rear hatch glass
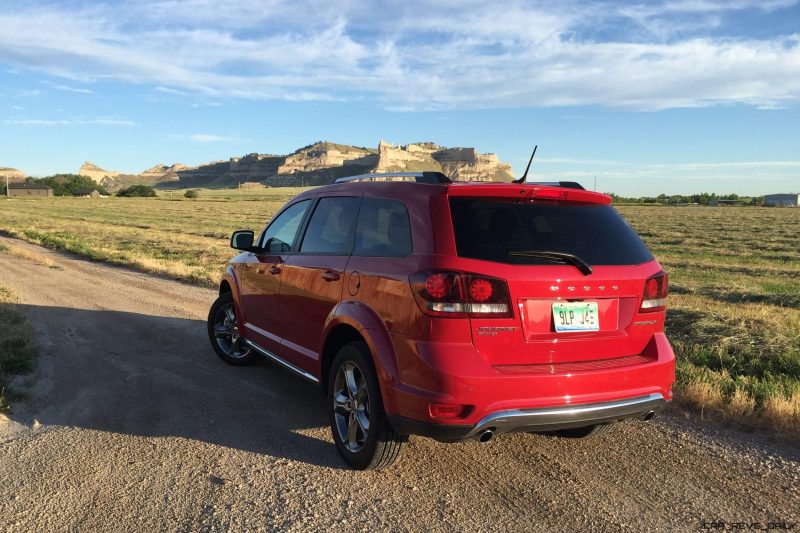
(491,228)
(600,303)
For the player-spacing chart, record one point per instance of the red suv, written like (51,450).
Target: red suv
(452,310)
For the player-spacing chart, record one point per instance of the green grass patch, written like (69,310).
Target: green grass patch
(17,346)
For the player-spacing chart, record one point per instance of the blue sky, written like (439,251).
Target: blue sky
(673,96)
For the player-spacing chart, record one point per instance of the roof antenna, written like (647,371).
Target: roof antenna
(524,176)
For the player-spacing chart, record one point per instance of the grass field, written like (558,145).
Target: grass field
(734,305)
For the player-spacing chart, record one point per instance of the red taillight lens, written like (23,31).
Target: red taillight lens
(458,294)
(437,286)
(448,410)
(480,290)
(654,297)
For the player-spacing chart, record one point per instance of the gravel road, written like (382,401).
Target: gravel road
(131,423)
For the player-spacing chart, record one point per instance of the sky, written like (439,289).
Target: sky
(637,98)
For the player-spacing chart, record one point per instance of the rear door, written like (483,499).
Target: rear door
(561,314)
(312,279)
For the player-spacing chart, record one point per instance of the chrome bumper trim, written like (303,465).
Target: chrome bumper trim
(554,418)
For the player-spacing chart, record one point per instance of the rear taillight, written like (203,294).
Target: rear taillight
(459,294)
(655,293)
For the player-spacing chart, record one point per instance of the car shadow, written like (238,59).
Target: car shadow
(156,376)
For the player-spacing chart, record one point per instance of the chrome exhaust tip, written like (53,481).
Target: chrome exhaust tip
(648,416)
(486,436)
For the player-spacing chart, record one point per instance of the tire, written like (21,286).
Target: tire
(584,432)
(360,429)
(223,332)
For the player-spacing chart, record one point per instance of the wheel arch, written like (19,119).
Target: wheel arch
(355,322)
(224,287)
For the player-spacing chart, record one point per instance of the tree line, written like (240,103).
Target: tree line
(66,184)
(703,198)
(70,184)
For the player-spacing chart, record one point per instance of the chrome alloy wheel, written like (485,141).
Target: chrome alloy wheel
(351,406)
(227,333)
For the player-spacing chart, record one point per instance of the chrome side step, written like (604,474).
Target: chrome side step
(286,364)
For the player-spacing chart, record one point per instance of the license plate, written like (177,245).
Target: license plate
(576,316)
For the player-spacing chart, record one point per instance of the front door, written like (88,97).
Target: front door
(312,279)
(261,277)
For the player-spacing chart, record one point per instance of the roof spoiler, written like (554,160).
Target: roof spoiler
(565,184)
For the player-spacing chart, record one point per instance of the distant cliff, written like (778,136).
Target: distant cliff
(316,164)
(12,174)
(111,179)
(90,170)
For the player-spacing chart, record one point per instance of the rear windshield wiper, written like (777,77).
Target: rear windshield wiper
(562,257)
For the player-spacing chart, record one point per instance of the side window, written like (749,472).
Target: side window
(330,230)
(383,229)
(279,235)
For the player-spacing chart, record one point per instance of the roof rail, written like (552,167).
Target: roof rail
(565,184)
(434,178)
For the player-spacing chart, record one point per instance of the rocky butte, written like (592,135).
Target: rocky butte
(316,164)
(12,174)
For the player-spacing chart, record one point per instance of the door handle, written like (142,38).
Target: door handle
(275,270)
(330,275)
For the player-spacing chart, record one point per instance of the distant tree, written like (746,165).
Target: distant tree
(68,184)
(137,191)
(191,193)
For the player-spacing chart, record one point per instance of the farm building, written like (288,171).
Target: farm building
(86,193)
(717,202)
(784,200)
(29,189)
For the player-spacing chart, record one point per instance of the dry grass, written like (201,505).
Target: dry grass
(701,394)
(783,412)
(30,255)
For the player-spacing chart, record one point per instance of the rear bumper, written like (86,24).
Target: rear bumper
(521,401)
(536,420)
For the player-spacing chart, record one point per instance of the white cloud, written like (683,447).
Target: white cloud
(38,122)
(102,121)
(74,89)
(169,90)
(424,55)
(109,121)
(204,138)
(207,138)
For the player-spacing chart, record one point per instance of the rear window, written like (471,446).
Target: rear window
(490,228)
(383,229)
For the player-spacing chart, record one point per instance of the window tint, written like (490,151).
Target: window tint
(280,234)
(490,228)
(383,229)
(331,228)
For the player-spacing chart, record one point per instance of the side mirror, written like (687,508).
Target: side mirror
(242,240)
